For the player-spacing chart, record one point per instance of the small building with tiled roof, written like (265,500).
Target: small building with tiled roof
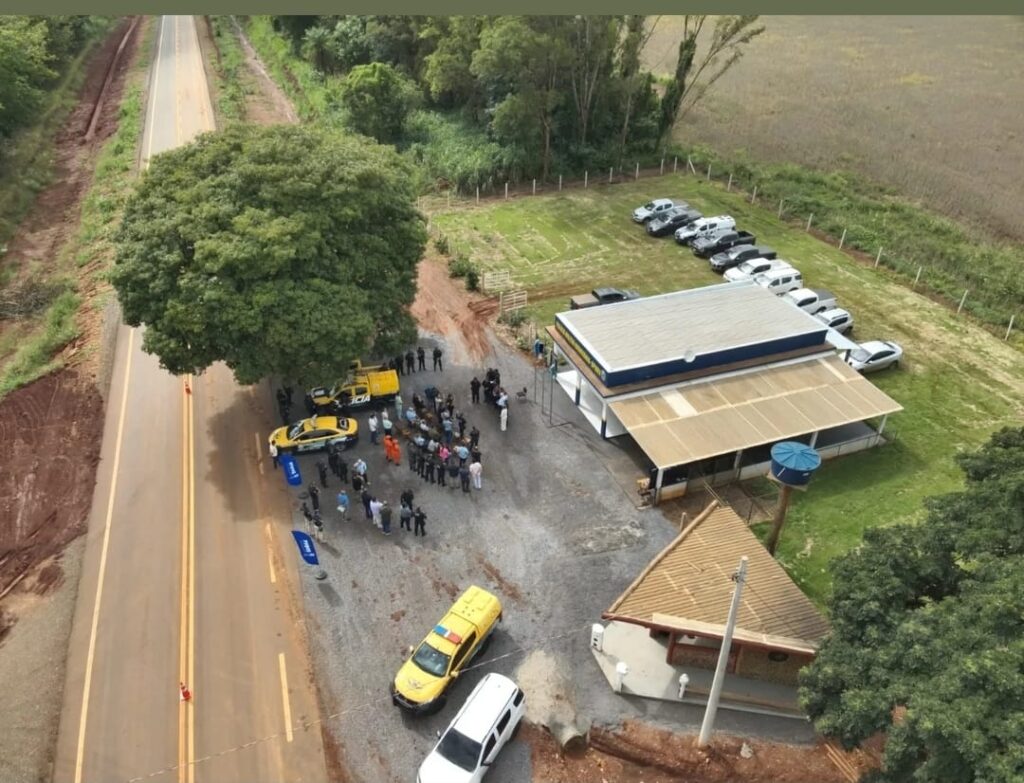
(685,592)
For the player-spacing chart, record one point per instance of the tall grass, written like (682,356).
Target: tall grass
(952,257)
(230,64)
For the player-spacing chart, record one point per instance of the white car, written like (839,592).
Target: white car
(653,209)
(874,355)
(836,318)
(752,268)
(477,734)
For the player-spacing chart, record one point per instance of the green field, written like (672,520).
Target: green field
(957,382)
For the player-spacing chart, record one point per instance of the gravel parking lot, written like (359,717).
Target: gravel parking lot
(552,533)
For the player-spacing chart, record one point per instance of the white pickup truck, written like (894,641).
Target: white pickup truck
(811,301)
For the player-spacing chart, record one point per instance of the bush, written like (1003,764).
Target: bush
(441,244)
(472,279)
(514,318)
(460,266)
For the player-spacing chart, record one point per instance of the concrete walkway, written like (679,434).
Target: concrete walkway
(652,678)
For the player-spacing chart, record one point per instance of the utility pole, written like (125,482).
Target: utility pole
(723,656)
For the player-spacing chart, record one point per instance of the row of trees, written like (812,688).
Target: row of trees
(544,87)
(33,51)
(927,640)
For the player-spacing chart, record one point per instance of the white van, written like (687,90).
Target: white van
(703,227)
(779,281)
(477,734)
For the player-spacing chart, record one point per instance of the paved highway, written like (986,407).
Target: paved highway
(189,573)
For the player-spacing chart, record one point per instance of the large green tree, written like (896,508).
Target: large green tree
(25,69)
(377,100)
(280,251)
(927,641)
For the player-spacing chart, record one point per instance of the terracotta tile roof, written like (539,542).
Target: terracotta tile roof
(688,587)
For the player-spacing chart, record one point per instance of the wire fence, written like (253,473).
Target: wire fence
(1002,325)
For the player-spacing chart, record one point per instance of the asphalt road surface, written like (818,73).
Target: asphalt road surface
(188,576)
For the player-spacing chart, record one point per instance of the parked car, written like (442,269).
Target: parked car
(811,300)
(734,256)
(874,355)
(315,433)
(778,281)
(477,733)
(671,221)
(449,647)
(703,226)
(747,270)
(653,209)
(709,244)
(836,318)
(601,296)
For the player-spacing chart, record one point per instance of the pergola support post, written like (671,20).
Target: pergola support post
(814,438)
(881,427)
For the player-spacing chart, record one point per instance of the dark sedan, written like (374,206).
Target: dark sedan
(672,220)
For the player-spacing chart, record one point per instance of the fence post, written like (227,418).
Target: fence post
(728,187)
(636,172)
(586,175)
(962,300)
(477,194)
(753,196)
(675,164)
(506,191)
(917,277)
(449,198)
(662,166)
(611,171)
(692,169)
(878,257)
(1009,328)
(559,182)
(535,186)
(709,172)
(809,219)
(781,202)
(842,239)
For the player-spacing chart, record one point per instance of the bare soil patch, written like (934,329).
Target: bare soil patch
(640,752)
(265,102)
(444,307)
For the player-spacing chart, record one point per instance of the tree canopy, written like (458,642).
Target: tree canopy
(927,638)
(377,98)
(287,250)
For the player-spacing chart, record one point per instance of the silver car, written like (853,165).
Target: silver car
(836,318)
(874,355)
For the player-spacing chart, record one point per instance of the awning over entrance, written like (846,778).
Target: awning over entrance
(703,419)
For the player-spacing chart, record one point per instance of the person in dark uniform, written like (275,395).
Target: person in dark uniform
(366,497)
(441,471)
(342,470)
(405,518)
(321,470)
(474,389)
(474,437)
(461,421)
(288,393)
(282,399)
(407,497)
(413,451)
(310,405)
(332,460)
(421,358)
(419,522)
(429,470)
(314,497)
(438,364)
(474,454)
(410,362)
(453,472)
(420,463)
(464,478)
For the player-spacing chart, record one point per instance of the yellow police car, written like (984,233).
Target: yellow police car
(449,648)
(315,433)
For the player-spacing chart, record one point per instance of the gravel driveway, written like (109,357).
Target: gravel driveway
(552,533)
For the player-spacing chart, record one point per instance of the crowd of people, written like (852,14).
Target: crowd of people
(441,448)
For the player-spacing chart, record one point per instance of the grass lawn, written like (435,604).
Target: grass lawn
(957,383)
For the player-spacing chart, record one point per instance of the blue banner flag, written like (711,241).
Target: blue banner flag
(306,547)
(291,470)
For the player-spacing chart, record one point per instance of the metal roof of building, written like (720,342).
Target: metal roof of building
(688,587)
(693,322)
(723,414)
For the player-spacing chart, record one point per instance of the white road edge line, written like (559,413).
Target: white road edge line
(259,458)
(152,98)
(87,687)
(284,697)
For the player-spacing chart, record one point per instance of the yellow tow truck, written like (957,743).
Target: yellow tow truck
(364,385)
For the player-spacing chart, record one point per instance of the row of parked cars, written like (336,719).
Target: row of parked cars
(736,255)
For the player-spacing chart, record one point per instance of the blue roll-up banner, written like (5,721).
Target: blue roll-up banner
(306,547)
(291,470)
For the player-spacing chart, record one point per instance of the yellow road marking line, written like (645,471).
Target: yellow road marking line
(191,574)
(183,620)
(284,697)
(152,98)
(90,656)
(270,554)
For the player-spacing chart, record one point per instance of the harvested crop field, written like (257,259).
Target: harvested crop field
(926,104)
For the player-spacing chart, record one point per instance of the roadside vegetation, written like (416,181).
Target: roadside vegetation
(31,345)
(958,382)
(527,96)
(229,62)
